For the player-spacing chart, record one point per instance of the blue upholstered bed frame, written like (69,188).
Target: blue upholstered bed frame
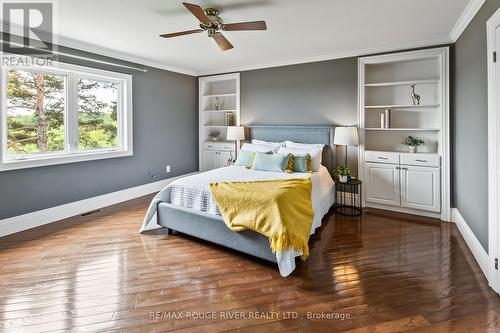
(212,228)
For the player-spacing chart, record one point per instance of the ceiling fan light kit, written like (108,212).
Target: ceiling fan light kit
(211,22)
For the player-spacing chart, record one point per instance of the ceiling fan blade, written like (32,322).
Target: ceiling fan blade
(198,12)
(255,25)
(223,43)
(181,33)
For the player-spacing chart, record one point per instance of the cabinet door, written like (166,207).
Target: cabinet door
(210,159)
(421,188)
(382,184)
(223,158)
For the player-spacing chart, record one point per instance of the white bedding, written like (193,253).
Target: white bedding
(193,192)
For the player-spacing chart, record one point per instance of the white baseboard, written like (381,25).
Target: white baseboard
(31,220)
(475,247)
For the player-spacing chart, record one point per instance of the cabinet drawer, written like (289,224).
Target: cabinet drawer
(382,157)
(225,146)
(429,160)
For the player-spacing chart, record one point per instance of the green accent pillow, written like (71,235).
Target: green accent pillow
(301,163)
(245,158)
(271,162)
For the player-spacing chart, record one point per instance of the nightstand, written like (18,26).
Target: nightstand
(348,197)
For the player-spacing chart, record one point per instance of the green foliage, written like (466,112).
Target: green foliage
(413,141)
(343,171)
(35,115)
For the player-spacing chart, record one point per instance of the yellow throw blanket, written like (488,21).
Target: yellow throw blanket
(278,209)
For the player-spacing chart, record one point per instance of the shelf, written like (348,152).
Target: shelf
(409,106)
(400,83)
(402,129)
(220,95)
(216,111)
(215,126)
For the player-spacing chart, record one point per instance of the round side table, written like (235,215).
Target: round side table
(346,197)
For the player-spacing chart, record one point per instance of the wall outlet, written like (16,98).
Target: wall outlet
(167,169)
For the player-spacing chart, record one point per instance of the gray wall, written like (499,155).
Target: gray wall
(165,132)
(470,123)
(306,94)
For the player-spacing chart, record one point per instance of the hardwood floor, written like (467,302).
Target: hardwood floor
(377,273)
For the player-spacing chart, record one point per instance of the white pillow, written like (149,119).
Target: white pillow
(315,155)
(274,145)
(256,148)
(308,146)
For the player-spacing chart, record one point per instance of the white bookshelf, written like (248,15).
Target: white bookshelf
(384,82)
(218,95)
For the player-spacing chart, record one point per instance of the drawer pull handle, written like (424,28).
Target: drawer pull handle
(382,158)
(424,161)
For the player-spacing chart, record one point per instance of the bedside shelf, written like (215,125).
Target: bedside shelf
(409,106)
(217,111)
(401,83)
(219,95)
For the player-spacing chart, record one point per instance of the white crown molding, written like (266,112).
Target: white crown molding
(60,40)
(88,47)
(35,219)
(475,247)
(332,56)
(465,18)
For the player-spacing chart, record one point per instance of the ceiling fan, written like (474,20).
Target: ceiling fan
(210,21)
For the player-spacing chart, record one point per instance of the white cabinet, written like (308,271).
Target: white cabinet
(382,184)
(421,188)
(209,160)
(216,155)
(394,184)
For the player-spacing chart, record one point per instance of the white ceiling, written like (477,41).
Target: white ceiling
(298,30)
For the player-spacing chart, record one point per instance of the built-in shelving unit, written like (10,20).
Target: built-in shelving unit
(385,83)
(219,97)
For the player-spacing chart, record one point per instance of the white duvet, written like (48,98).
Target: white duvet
(193,192)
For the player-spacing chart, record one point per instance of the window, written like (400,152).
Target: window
(63,114)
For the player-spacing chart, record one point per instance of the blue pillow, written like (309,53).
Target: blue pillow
(301,163)
(245,158)
(271,162)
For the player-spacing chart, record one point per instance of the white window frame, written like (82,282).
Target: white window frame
(70,154)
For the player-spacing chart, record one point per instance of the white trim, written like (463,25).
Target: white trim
(332,56)
(35,219)
(493,156)
(475,247)
(465,18)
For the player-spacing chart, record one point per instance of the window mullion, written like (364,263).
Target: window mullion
(72,112)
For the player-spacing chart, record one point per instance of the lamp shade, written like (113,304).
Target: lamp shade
(235,133)
(346,136)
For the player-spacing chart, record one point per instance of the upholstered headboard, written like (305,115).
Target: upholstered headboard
(322,134)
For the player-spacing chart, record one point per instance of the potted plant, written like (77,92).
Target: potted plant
(343,173)
(413,143)
(213,135)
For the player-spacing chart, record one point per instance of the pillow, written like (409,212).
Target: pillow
(301,163)
(308,146)
(245,158)
(274,145)
(314,153)
(256,148)
(271,162)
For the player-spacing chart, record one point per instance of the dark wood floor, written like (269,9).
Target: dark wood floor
(388,273)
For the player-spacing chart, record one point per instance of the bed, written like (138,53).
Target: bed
(187,206)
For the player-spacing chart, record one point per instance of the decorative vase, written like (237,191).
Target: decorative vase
(343,179)
(412,149)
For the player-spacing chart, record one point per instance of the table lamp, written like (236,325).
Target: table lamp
(236,133)
(346,136)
